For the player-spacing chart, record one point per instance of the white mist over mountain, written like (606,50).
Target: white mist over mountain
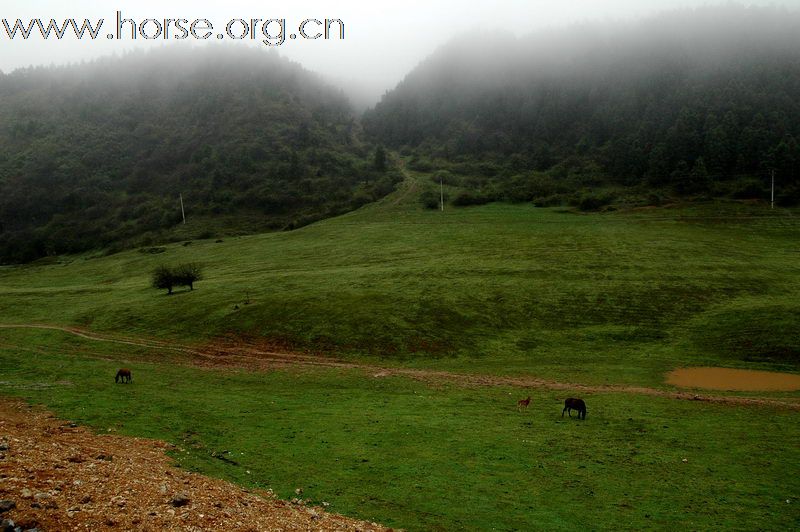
(383,40)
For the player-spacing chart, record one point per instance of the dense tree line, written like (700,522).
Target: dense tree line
(698,102)
(96,154)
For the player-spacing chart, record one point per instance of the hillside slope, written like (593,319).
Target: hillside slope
(689,102)
(494,289)
(99,153)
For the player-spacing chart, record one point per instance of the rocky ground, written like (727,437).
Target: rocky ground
(55,475)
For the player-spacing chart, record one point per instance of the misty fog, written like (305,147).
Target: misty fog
(383,42)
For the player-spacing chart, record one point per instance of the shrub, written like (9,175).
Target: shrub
(188,274)
(748,188)
(593,202)
(788,196)
(166,278)
(445,177)
(420,164)
(163,278)
(152,250)
(466,199)
(429,199)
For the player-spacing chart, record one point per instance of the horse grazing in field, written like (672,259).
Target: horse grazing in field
(523,403)
(574,404)
(123,375)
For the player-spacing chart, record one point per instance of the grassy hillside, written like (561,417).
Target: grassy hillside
(619,296)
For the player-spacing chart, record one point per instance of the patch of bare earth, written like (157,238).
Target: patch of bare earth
(63,477)
(731,379)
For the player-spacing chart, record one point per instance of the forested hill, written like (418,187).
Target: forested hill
(689,102)
(97,154)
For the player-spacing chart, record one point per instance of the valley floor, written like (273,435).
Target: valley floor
(410,448)
(248,356)
(375,360)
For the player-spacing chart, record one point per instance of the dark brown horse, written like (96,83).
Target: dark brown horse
(574,404)
(523,403)
(123,375)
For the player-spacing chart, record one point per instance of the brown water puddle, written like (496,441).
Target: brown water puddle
(740,380)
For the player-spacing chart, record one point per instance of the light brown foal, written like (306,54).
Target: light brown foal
(523,403)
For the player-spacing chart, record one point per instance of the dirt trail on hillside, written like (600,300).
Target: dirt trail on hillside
(253,357)
(63,477)
(409,185)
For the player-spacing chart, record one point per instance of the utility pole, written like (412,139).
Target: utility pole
(182,212)
(441,193)
(772,196)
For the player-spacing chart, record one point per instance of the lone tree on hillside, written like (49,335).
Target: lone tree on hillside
(165,277)
(188,274)
(162,278)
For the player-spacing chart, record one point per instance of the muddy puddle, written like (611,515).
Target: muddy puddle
(741,380)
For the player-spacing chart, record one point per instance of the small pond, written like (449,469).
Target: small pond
(740,380)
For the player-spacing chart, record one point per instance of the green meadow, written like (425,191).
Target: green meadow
(425,457)
(605,298)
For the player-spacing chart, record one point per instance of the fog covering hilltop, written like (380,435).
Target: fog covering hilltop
(97,154)
(695,102)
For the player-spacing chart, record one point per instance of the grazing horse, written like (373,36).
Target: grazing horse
(123,375)
(574,404)
(523,403)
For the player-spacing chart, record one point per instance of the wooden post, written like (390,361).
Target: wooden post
(182,212)
(772,194)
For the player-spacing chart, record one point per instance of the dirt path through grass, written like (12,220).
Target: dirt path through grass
(409,185)
(253,357)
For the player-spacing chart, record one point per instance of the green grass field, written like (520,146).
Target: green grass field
(434,457)
(619,297)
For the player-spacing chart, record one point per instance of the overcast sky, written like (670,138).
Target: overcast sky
(383,39)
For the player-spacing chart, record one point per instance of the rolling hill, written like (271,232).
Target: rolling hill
(97,154)
(693,103)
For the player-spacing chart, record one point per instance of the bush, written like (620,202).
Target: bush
(188,274)
(788,196)
(748,188)
(446,178)
(420,164)
(655,199)
(166,278)
(466,199)
(593,202)
(163,278)
(554,200)
(429,199)
(152,250)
